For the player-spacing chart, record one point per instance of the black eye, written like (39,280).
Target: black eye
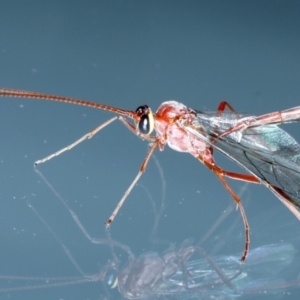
(111,279)
(146,121)
(144,125)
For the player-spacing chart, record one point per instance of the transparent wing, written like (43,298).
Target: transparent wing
(198,279)
(260,273)
(268,152)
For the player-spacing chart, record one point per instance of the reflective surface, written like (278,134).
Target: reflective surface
(185,271)
(125,54)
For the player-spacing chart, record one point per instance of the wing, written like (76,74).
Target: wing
(268,152)
(198,279)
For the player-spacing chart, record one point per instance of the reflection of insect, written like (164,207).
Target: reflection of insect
(266,151)
(183,272)
(180,275)
(188,273)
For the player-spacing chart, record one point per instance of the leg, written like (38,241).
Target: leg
(243,177)
(66,250)
(286,116)
(90,134)
(86,136)
(222,106)
(221,274)
(141,171)
(220,175)
(94,240)
(236,176)
(178,260)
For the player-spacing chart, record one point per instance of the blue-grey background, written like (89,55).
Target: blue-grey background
(128,53)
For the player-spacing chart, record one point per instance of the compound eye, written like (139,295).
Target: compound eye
(111,279)
(146,122)
(144,125)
